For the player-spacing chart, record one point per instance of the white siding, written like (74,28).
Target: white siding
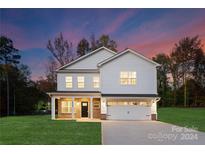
(146,76)
(61,86)
(91,62)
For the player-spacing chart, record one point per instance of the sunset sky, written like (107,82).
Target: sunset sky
(148,31)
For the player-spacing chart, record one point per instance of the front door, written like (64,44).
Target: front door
(84,109)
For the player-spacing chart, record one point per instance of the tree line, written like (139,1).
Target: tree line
(18,93)
(181,76)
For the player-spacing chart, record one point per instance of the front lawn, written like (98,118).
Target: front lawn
(43,130)
(188,117)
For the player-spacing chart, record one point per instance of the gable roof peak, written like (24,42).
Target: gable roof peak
(84,56)
(125,51)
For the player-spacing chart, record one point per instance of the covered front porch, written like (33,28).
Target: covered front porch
(78,106)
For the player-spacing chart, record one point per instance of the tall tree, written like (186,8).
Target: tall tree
(162,75)
(93,42)
(83,47)
(174,69)
(51,74)
(184,55)
(9,55)
(105,41)
(61,50)
(25,92)
(199,68)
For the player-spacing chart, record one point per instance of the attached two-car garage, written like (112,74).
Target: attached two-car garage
(120,109)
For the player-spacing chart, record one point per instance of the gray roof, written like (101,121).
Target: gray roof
(79,71)
(85,56)
(124,52)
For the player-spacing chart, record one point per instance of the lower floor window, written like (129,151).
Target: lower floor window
(66,106)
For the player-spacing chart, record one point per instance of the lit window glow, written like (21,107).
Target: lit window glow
(113,102)
(69,81)
(96,82)
(66,106)
(81,82)
(128,78)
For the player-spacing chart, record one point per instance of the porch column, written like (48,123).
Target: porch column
(154,108)
(103,105)
(73,108)
(91,107)
(53,112)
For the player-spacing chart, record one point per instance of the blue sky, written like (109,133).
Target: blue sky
(149,31)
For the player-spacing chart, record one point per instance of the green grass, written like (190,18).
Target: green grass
(187,117)
(41,130)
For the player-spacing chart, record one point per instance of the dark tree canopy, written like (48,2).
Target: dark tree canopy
(8,53)
(83,47)
(105,41)
(162,74)
(18,94)
(185,53)
(186,67)
(51,74)
(93,42)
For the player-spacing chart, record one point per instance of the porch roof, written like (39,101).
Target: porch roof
(74,93)
(98,93)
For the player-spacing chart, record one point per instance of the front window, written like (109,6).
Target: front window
(81,82)
(66,106)
(127,78)
(68,81)
(96,82)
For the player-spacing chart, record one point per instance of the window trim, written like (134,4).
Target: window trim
(96,82)
(71,82)
(128,78)
(69,107)
(82,82)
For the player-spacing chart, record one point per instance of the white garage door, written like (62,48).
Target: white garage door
(128,112)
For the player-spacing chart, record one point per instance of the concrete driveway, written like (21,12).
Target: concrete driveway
(148,133)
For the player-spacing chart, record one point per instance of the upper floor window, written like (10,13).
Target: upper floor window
(96,82)
(69,81)
(66,106)
(127,78)
(81,82)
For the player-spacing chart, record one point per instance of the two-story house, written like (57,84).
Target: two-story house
(104,84)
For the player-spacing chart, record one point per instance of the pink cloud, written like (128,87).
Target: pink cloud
(71,33)
(20,39)
(149,38)
(150,49)
(113,27)
(24,40)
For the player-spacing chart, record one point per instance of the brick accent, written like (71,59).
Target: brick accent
(103,116)
(154,116)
